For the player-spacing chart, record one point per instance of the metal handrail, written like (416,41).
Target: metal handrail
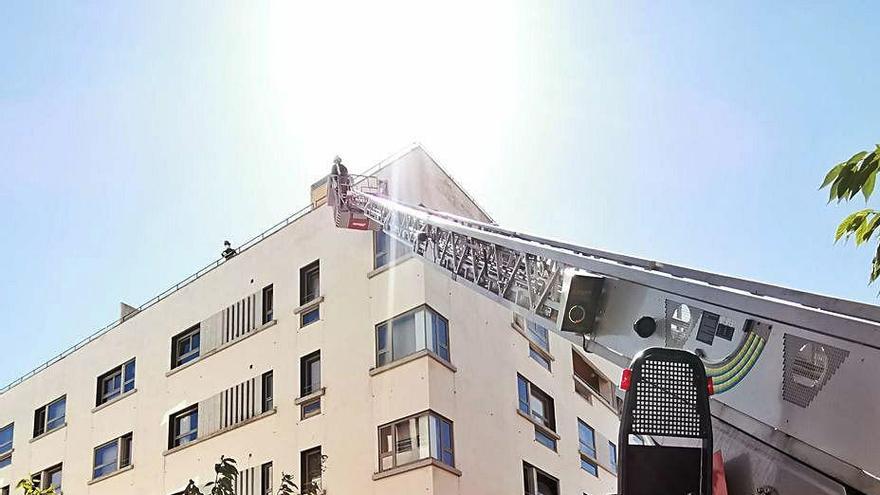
(162,295)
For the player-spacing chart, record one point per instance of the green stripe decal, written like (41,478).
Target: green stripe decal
(728,373)
(731,362)
(728,384)
(742,360)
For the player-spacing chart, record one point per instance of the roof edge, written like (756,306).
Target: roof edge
(375,169)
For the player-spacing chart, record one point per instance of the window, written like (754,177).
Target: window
(612,456)
(545,439)
(310,373)
(310,285)
(311,468)
(6,438)
(310,382)
(311,408)
(6,445)
(534,403)
(52,478)
(539,358)
(310,316)
(537,482)
(386,249)
(588,382)
(185,346)
(539,335)
(268,304)
(418,437)
(587,374)
(115,382)
(184,427)
(309,290)
(266,479)
(268,383)
(49,478)
(4,490)
(112,456)
(587,448)
(411,332)
(50,416)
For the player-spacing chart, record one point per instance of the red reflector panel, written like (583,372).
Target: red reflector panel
(626,379)
(710,385)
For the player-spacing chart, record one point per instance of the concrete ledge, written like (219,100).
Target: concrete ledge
(547,431)
(114,400)
(597,463)
(217,349)
(220,432)
(47,433)
(406,257)
(110,475)
(415,465)
(308,398)
(410,358)
(305,308)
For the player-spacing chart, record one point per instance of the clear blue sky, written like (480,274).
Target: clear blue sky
(136,137)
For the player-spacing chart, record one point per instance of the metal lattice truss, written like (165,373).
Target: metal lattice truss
(526,282)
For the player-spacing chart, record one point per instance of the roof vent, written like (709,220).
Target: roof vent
(319,192)
(126,310)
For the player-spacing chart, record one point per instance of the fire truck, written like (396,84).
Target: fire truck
(795,401)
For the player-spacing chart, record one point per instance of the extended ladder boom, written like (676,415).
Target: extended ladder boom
(782,360)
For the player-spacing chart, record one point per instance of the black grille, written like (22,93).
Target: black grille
(666,395)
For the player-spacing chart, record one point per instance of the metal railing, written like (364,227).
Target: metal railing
(167,292)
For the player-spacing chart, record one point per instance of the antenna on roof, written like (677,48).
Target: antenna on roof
(228,252)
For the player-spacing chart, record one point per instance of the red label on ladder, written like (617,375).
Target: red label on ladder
(358,223)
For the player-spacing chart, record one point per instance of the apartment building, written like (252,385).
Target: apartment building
(329,354)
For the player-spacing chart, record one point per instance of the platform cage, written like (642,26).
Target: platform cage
(347,207)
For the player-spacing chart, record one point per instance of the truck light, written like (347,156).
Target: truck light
(626,379)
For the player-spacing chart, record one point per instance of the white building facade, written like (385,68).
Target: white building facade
(328,354)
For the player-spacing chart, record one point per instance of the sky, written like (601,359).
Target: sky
(136,137)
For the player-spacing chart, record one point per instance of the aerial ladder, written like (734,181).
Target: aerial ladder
(796,404)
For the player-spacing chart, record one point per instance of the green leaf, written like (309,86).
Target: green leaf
(832,174)
(851,223)
(842,182)
(868,186)
(844,226)
(832,194)
(862,232)
(869,227)
(856,158)
(875,266)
